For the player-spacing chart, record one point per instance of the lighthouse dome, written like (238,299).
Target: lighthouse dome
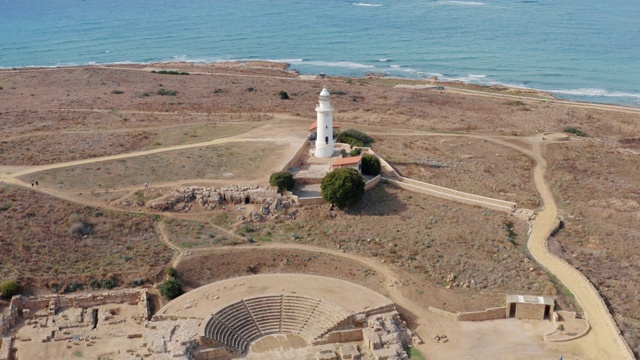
(325,92)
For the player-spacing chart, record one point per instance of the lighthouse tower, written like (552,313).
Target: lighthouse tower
(324,139)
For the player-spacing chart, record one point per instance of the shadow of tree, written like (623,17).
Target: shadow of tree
(379,201)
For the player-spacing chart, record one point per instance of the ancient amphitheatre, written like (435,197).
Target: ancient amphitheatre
(93,136)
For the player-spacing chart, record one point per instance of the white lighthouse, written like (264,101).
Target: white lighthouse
(324,139)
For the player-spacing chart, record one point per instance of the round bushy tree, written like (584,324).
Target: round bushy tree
(370,165)
(9,288)
(171,289)
(343,187)
(282,180)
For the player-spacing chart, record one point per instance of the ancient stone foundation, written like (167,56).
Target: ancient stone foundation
(272,203)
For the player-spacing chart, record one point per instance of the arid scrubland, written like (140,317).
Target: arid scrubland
(598,193)
(49,116)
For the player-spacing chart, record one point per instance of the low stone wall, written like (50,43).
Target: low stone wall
(443,195)
(373,182)
(4,324)
(309,201)
(341,336)
(52,302)
(303,148)
(566,315)
(488,314)
(5,348)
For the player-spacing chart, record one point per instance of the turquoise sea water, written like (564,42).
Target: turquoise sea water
(584,50)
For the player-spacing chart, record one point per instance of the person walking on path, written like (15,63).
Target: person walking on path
(146,185)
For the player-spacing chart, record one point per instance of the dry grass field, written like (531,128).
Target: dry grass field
(425,238)
(230,161)
(598,191)
(49,245)
(466,164)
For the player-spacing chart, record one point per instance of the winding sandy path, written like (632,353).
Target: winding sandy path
(604,341)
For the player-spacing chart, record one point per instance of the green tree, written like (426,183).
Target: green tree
(282,180)
(171,289)
(370,165)
(343,187)
(172,272)
(8,288)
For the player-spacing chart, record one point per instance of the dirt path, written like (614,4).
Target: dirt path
(604,341)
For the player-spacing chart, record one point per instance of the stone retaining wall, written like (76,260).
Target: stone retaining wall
(302,149)
(5,348)
(52,302)
(488,314)
(373,182)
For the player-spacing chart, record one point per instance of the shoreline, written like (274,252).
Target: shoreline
(294,74)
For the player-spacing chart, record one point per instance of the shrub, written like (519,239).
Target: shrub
(343,187)
(343,152)
(171,272)
(363,138)
(355,152)
(283,95)
(165,92)
(251,89)
(370,165)
(170,72)
(117,92)
(78,226)
(575,131)
(282,180)
(109,283)
(1,88)
(171,289)
(9,288)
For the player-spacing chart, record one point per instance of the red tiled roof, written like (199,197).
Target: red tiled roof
(315,126)
(348,161)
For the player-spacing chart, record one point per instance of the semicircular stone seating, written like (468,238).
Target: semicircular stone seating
(239,324)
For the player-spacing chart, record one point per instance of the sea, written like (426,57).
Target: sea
(585,50)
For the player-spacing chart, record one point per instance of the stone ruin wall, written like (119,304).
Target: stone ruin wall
(29,305)
(183,198)
(488,314)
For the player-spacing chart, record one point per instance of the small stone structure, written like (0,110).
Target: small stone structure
(529,307)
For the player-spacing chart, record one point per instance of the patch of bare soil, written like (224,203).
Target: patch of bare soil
(49,243)
(229,161)
(466,164)
(598,196)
